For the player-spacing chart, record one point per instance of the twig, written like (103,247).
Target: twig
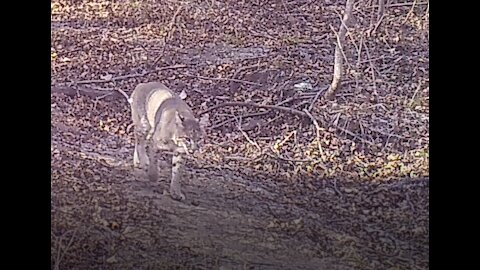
(410,12)
(354,135)
(359,52)
(279,108)
(373,70)
(407,198)
(129,76)
(387,134)
(379,21)
(336,189)
(249,104)
(172,22)
(380,14)
(125,95)
(247,67)
(338,55)
(415,94)
(223,79)
(101,97)
(316,97)
(129,127)
(285,7)
(239,126)
(168,34)
(317,128)
(400,4)
(243,116)
(60,257)
(278,156)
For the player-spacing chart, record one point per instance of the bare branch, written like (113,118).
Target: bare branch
(129,76)
(284,109)
(250,104)
(223,79)
(169,33)
(338,62)
(239,126)
(317,128)
(410,12)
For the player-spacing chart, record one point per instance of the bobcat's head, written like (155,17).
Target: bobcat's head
(189,132)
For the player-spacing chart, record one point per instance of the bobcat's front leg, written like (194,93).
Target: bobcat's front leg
(140,159)
(177,170)
(153,166)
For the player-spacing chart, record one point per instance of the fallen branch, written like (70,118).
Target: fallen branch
(60,255)
(283,109)
(239,126)
(125,95)
(247,67)
(223,79)
(249,104)
(287,159)
(317,128)
(402,4)
(316,97)
(372,68)
(128,76)
(243,116)
(258,113)
(169,33)
(354,135)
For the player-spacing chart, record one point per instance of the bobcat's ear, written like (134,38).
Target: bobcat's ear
(180,118)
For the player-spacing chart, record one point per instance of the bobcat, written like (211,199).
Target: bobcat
(162,122)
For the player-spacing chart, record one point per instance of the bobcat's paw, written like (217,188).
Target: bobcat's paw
(176,194)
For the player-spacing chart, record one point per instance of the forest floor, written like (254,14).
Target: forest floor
(267,190)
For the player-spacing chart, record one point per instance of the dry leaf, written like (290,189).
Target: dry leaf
(183,95)
(205,121)
(106,77)
(112,259)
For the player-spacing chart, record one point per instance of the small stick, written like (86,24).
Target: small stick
(316,97)
(414,94)
(129,76)
(380,14)
(317,127)
(247,67)
(410,12)
(243,116)
(239,126)
(223,79)
(354,135)
(168,34)
(372,67)
(277,156)
(335,187)
(402,4)
(111,89)
(249,104)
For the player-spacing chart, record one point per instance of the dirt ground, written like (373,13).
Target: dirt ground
(267,191)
